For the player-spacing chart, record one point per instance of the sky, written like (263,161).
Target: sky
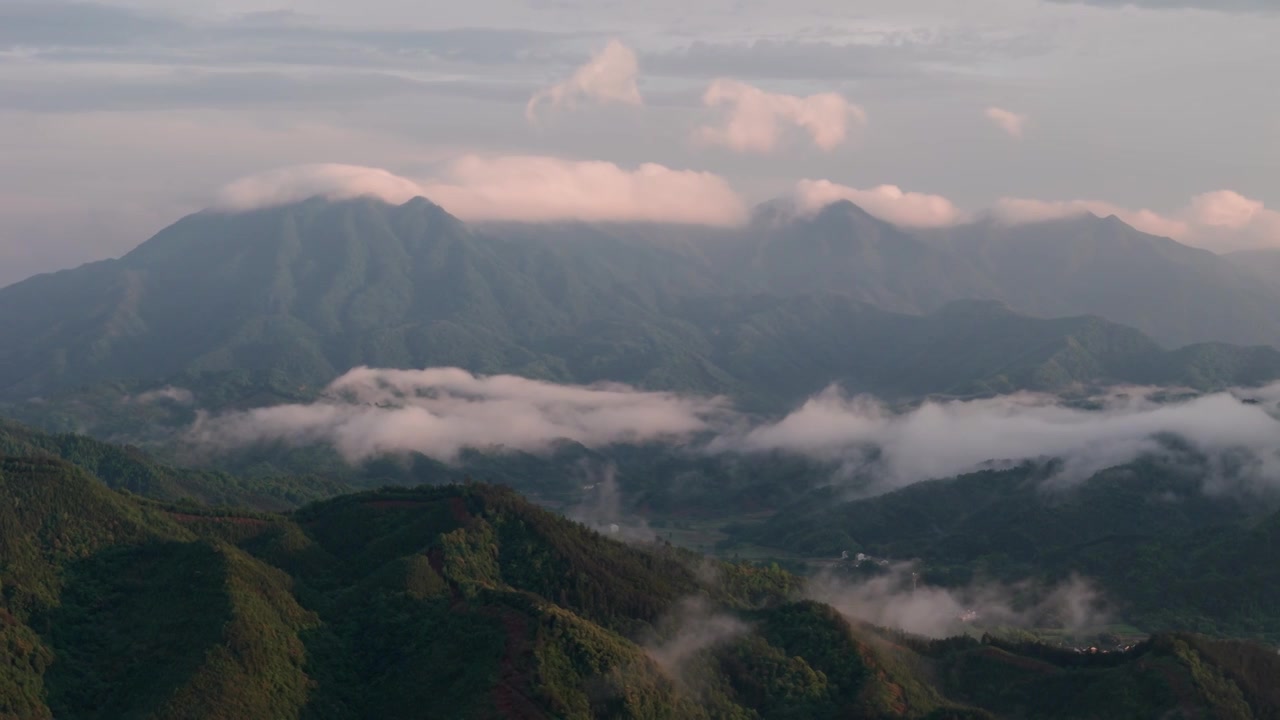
(118,117)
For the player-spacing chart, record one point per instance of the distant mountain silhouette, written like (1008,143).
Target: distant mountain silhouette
(292,296)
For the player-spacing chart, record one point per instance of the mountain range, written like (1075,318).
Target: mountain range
(282,584)
(468,602)
(251,307)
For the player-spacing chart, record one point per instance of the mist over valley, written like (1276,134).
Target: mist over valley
(515,360)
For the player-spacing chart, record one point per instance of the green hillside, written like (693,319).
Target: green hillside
(1171,555)
(468,602)
(129,469)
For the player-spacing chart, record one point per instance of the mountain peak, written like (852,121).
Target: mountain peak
(784,211)
(844,209)
(320,200)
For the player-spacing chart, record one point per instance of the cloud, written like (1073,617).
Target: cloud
(1017,211)
(1230,216)
(1222,220)
(896,599)
(609,77)
(887,202)
(601,507)
(1258,6)
(534,188)
(1013,124)
(945,439)
(329,180)
(439,412)
(537,189)
(176,395)
(692,627)
(754,120)
(24,23)
(512,188)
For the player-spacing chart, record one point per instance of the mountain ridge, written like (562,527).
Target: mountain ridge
(291,297)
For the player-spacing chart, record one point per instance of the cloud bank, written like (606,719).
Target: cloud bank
(887,202)
(609,77)
(1223,220)
(754,120)
(1220,221)
(539,189)
(439,412)
(527,188)
(945,439)
(332,181)
(1255,6)
(1013,124)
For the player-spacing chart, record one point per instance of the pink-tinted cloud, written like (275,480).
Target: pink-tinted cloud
(609,77)
(1018,211)
(1222,220)
(887,202)
(1012,123)
(516,188)
(538,189)
(754,120)
(328,180)
(1229,209)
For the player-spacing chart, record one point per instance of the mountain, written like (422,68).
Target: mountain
(1261,264)
(467,602)
(130,470)
(1100,266)
(1171,554)
(1082,265)
(801,344)
(843,249)
(301,293)
(270,305)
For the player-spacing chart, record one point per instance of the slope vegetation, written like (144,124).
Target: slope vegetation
(469,602)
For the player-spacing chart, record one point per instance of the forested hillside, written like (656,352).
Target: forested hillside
(1172,555)
(466,601)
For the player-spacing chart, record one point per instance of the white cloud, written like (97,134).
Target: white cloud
(1012,123)
(1016,211)
(754,119)
(944,439)
(1232,221)
(896,599)
(1222,221)
(609,77)
(692,627)
(518,188)
(535,189)
(441,411)
(328,180)
(887,202)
